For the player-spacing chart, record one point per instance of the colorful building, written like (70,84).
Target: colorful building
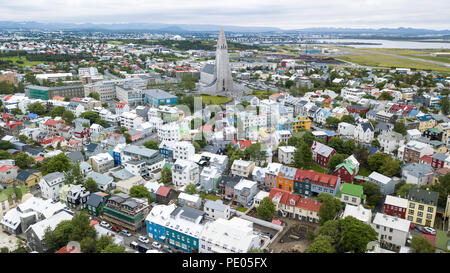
(422,206)
(351,194)
(395,206)
(285,178)
(29,178)
(307,182)
(294,206)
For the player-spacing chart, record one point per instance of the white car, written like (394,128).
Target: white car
(104,224)
(429,230)
(156,245)
(126,232)
(144,239)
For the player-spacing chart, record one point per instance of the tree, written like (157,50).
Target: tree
(68,116)
(23,138)
(91,116)
(197,147)
(87,245)
(151,145)
(348,147)
(266,209)
(166,175)
(139,191)
(443,188)
(404,190)
(23,160)
(372,192)
(421,244)
(36,108)
(255,152)
(337,144)
(94,95)
(16,111)
(355,235)
(348,118)
(321,244)
(329,208)
(400,127)
(91,185)
(190,189)
(334,161)
(5,155)
(445,106)
(114,248)
(58,163)
(57,111)
(332,122)
(307,138)
(376,160)
(385,96)
(293,141)
(103,242)
(5,145)
(127,138)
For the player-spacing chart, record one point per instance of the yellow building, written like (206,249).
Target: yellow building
(426,122)
(8,199)
(29,178)
(422,206)
(301,122)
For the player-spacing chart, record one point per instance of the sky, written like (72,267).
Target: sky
(284,14)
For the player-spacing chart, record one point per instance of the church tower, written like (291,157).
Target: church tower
(222,71)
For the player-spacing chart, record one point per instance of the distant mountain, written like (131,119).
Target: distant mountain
(9,25)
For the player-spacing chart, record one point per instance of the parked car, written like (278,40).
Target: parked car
(429,230)
(156,245)
(104,224)
(125,232)
(419,228)
(143,239)
(168,249)
(115,228)
(409,239)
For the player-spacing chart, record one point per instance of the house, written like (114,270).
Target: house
(244,191)
(348,169)
(50,185)
(183,150)
(438,160)
(158,97)
(92,149)
(425,122)
(152,187)
(179,228)
(294,206)
(36,232)
(413,134)
(346,129)
(125,211)
(259,175)
(77,196)
(101,162)
(95,203)
(392,231)
(417,173)
(228,236)
(285,178)
(104,182)
(286,154)
(127,184)
(164,195)
(422,206)
(414,150)
(185,172)
(9,200)
(307,182)
(322,153)
(29,178)
(217,209)
(395,206)
(8,174)
(386,184)
(364,132)
(390,141)
(242,168)
(193,201)
(351,194)
(226,186)
(209,179)
(359,212)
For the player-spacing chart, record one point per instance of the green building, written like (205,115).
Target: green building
(46,93)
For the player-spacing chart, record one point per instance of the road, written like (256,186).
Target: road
(153,136)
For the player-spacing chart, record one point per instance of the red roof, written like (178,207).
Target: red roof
(207,127)
(289,199)
(65,249)
(93,223)
(52,122)
(245,143)
(313,176)
(4,168)
(426,159)
(276,222)
(39,159)
(76,99)
(7,97)
(121,104)
(163,191)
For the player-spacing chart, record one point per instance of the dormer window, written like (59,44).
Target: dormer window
(292,201)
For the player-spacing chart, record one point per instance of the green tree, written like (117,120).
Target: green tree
(321,244)
(58,163)
(404,190)
(337,144)
(23,160)
(421,244)
(255,153)
(190,189)
(151,145)
(103,242)
(372,192)
(5,145)
(36,108)
(114,248)
(443,188)
(139,191)
(376,160)
(68,116)
(355,235)
(91,116)
(330,207)
(91,185)
(332,122)
(266,209)
(400,127)
(16,111)
(348,118)
(385,96)
(87,245)
(5,155)
(197,147)
(348,147)
(94,95)
(166,175)
(307,138)
(334,161)
(57,111)
(445,106)
(23,138)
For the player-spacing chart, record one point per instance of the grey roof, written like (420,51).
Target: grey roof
(384,126)
(367,126)
(100,179)
(23,175)
(209,69)
(131,203)
(288,172)
(140,150)
(52,176)
(91,147)
(122,174)
(188,213)
(439,156)
(423,196)
(230,181)
(418,169)
(75,156)
(94,200)
(159,94)
(216,205)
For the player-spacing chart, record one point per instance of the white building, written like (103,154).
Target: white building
(217,209)
(101,162)
(286,154)
(386,184)
(169,132)
(391,230)
(346,129)
(364,132)
(390,141)
(185,172)
(51,184)
(228,236)
(130,120)
(209,178)
(352,94)
(259,197)
(359,212)
(183,150)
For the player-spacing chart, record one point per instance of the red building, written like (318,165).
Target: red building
(322,153)
(438,160)
(395,206)
(346,171)
(357,109)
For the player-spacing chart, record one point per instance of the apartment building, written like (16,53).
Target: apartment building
(242,168)
(102,162)
(392,231)
(185,172)
(422,206)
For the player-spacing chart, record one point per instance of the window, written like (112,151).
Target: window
(345,197)
(411,211)
(410,218)
(419,220)
(390,237)
(354,199)
(420,207)
(419,214)
(430,209)
(391,230)
(411,205)
(429,216)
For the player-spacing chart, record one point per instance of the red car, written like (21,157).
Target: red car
(115,228)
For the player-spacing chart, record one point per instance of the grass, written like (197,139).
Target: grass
(241,209)
(441,239)
(261,94)
(318,169)
(209,196)
(115,42)
(208,99)
(364,171)
(14,60)
(5,193)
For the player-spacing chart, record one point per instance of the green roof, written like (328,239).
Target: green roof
(434,130)
(10,190)
(349,166)
(352,189)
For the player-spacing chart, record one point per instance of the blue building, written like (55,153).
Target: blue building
(166,150)
(158,97)
(178,227)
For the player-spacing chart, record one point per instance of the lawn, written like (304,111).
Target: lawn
(207,99)
(241,209)
(209,196)
(14,60)
(261,94)
(114,42)
(364,171)
(318,169)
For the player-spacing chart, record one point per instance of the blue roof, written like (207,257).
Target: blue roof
(426,117)
(32,115)
(413,113)
(330,133)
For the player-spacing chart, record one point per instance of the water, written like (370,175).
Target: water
(390,44)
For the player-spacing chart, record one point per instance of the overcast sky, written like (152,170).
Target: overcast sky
(285,14)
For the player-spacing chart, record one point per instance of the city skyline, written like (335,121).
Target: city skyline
(286,14)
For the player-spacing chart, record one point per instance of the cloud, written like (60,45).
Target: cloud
(285,14)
